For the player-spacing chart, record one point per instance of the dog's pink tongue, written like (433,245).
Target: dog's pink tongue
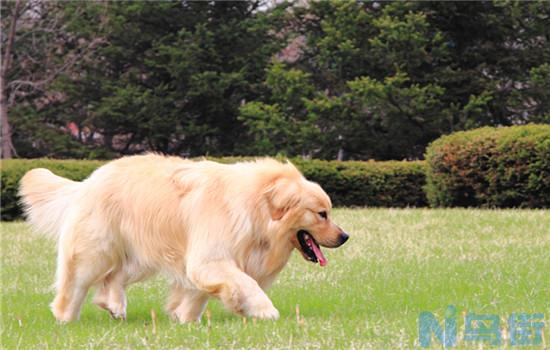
(319,254)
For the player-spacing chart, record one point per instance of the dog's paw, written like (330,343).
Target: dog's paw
(117,311)
(262,308)
(118,315)
(183,318)
(267,313)
(62,316)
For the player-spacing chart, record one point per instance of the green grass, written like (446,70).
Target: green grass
(396,264)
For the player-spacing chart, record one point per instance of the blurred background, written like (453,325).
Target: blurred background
(314,79)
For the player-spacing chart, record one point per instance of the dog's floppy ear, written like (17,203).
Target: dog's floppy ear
(282,196)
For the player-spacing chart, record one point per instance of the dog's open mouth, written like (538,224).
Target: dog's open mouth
(310,249)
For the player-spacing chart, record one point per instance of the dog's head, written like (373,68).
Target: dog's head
(304,209)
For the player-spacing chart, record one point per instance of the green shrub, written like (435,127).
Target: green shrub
(376,184)
(491,167)
(388,184)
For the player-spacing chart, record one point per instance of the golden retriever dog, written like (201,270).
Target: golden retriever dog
(215,230)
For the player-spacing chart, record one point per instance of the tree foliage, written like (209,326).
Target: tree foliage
(363,80)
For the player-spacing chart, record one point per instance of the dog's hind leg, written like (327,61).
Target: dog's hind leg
(70,292)
(75,275)
(186,305)
(84,259)
(111,296)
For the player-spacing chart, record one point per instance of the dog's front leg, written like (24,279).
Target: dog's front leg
(238,291)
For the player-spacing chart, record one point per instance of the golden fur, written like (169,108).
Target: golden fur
(215,230)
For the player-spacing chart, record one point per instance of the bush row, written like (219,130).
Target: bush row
(491,167)
(388,184)
(487,167)
(379,184)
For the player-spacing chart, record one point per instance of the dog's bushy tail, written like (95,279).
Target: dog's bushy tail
(45,198)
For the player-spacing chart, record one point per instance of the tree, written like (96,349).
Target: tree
(7,145)
(373,112)
(174,75)
(38,45)
(531,102)
(366,79)
(281,125)
(391,77)
(374,72)
(492,48)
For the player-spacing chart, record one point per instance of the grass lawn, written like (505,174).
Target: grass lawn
(396,264)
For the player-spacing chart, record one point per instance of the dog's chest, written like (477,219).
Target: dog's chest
(265,261)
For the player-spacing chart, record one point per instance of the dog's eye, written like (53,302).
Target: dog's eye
(323,214)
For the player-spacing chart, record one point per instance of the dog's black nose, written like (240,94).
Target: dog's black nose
(343,238)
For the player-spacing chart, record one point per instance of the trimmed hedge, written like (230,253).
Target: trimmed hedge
(377,184)
(491,167)
(387,184)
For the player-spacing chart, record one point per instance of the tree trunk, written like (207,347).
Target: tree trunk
(340,155)
(7,145)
